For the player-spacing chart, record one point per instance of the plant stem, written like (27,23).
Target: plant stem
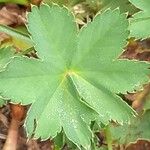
(17,114)
(12,138)
(108,137)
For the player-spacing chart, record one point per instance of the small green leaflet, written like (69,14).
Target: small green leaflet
(140,22)
(77,76)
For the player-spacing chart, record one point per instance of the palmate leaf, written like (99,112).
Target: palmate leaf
(140,23)
(77,76)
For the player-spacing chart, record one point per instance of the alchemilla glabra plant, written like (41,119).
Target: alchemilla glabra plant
(78,75)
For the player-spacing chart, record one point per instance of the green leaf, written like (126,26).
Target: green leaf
(19,38)
(59,140)
(138,129)
(2,102)
(124,5)
(147,103)
(22,2)
(140,22)
(17,35)
(77,76)
(69,3)
(20,43)
(6,55)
